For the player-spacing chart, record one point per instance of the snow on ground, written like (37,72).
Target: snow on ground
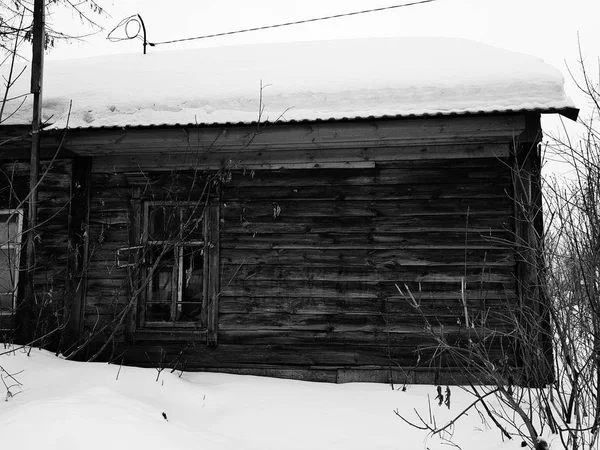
(301,80)
(70,405)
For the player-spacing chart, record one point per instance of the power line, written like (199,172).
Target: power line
(298,22)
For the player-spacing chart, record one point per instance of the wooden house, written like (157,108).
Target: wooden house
(224,210)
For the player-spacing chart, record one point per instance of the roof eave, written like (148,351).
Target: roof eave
(569,113)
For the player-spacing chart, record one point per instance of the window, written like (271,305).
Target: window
(11,224)
(174,264)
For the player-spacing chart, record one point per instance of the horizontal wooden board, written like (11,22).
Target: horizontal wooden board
(114,232)
(107,287)
(490,223)
(244,355)
(115,217)
(364,257)
(339,289)
(169,162)
(309,356)
(119,200)
(408,335)
(409,172)
(430,304)
(187,335)
(354,153)
(298,158)
(201,140)
(439,274)
(373,241)
(293,210)
(365,192)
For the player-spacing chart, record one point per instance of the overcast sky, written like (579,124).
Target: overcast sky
(547,28)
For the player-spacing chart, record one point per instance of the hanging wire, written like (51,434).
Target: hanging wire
(136,19)
(124,26)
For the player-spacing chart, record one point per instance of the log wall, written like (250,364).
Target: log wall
(53,271)
(311,260)
(318,228)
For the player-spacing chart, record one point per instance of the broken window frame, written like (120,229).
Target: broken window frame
(12,244)
(177,245)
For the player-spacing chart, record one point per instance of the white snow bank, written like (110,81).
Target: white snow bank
(303,80)
(63,405)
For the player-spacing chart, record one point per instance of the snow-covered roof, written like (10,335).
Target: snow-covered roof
(300,81)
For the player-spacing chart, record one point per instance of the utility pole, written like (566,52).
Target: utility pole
(37,69)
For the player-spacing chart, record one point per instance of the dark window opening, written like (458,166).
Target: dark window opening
(174,261)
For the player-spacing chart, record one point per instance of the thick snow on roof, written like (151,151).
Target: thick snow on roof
(300,81)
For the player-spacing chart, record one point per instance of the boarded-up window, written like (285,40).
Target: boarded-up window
(11,228)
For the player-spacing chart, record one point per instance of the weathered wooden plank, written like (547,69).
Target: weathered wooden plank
(104,308)
(110,217)
(408,335)
(231,273)
(323,154)
(331,323)
(340,290)
(94,322)
(187,335)
(53,202)
(107,180)
(291,210)
(113,227)
(117,296)
(202,140)
(106,268)
(107,286)
(118,232)
(352,153)
(419,239)
(169,161)
(292,158)
(228,355)
(409,172)
(431,303)
(364,257)
(319,375)
(496,222)
(57,178)
(381,192)
(108,186)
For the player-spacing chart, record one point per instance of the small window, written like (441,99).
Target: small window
(11,228)
(174,263)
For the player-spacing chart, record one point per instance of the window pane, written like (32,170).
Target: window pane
(163,223)
(6,302)
(189,309)
(8,228)
(160,292)
(8,264)
(162,285)
(192,223)
(158,312)
(176,290)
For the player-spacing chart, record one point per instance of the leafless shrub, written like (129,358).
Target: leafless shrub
(549,383)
